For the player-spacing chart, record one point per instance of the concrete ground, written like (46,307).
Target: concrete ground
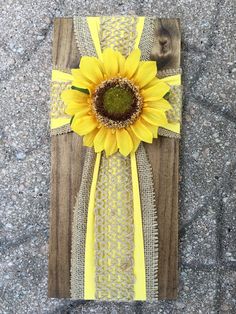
(208,154)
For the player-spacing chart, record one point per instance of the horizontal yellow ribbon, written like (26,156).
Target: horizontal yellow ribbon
(59,76)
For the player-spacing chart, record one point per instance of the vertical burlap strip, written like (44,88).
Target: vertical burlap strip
(83,37)
(147,38)
(114,230)
(150,222)
(79,227)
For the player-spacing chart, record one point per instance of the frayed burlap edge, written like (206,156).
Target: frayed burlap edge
(150,222)
(79,226)
(168,72)
(83,37)
(167,133)
(66,70)
(62,130)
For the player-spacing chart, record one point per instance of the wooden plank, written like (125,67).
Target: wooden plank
(167,44)
(164,157)
(67,167)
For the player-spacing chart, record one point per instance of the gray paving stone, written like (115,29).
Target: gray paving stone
(228,295)
(25,198)
(217,76)
(23,23)
(25,105)
(205,140)
(24,275)
(197,295)
(198,245)
(105,308)
(229,228)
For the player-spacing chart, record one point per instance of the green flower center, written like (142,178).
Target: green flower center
(117,100)
(116,103)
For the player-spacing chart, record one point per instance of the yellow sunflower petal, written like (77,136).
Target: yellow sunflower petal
(132,63)
(153,82)
(99,139)
(73,95)
(135,139)
(76,102)
(79,109)
(161,104)
(83,125)
(80,80)
(89,138)
(90,68)
(154,116)
(110,62)
(146,72)
(110,145)
(121,63)
(155,92)
(141,131)
(151,127)
(124,142)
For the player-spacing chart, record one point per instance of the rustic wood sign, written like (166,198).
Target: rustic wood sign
(67,161)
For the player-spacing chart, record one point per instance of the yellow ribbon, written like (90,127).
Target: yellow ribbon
(139,259)
(59,76)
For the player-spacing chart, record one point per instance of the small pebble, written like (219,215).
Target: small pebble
(40,37)
(225,307)
(20,155)
(180,305)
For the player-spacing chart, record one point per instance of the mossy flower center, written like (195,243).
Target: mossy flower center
(117,103)
(117,100)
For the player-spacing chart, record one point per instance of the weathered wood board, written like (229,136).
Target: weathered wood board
(67,156)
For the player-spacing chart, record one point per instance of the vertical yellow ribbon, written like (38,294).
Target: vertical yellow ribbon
(89,267)
(139,260)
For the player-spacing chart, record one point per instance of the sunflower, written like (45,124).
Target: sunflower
(116,102)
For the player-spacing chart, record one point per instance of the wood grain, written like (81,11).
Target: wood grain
(67,156)
(66,166)
(164,157)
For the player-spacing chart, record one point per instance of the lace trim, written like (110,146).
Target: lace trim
(57,104)
(114,230)
(175,99)
(118,32)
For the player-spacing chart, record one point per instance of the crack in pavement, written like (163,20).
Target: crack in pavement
(210,44)
(224,113)
(26,57)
